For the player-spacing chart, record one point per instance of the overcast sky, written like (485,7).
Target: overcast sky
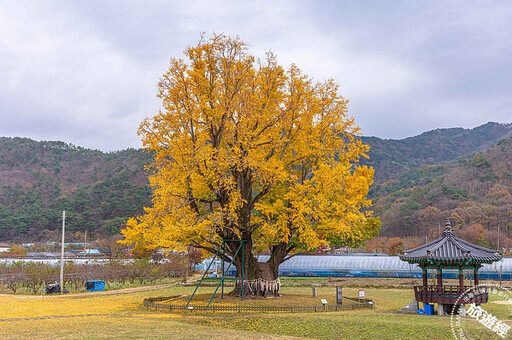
(85,72)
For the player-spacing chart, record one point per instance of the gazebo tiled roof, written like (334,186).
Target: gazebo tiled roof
(449,249)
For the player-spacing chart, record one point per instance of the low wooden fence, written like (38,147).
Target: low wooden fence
(156,304)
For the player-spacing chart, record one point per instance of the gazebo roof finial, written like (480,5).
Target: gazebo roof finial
(448,231)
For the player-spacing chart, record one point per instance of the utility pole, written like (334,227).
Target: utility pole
(85,243)
(62,252)
(498,239)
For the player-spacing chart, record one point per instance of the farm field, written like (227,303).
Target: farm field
(116,316)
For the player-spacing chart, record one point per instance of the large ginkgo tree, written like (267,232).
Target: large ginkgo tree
(248,150)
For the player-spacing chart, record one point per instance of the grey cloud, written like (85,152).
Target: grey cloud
(86,71)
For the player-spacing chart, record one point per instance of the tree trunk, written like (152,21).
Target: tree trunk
(263,285)
(260,278)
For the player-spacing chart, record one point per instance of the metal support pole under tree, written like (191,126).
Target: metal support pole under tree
(243,268)
(62,252)
(222,267)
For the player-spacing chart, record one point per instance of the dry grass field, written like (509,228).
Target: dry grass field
(122,316)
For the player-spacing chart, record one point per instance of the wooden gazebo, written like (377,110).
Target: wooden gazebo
(449,252)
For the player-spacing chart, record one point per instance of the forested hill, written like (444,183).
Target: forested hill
(390,158)
(474,192)
(99,191)
(38,180)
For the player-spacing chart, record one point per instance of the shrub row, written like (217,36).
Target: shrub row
(34,276)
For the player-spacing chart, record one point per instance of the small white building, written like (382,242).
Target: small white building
(4,247)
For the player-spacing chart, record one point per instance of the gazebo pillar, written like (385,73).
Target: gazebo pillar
(425,276)
(462,307)
(440,307)
(425,286)
(477,280)
(461,280)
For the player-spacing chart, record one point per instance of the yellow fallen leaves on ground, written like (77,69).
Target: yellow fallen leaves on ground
(15,307)
(124,317)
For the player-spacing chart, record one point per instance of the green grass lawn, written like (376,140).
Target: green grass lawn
(123,317)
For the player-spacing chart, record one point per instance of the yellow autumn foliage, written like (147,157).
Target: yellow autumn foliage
(246,149)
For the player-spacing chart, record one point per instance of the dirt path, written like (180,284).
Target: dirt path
(503,302)
(106,292)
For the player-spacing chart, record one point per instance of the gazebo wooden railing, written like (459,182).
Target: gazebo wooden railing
(450,294)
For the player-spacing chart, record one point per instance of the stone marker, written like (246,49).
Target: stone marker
(339,295)
(412,307)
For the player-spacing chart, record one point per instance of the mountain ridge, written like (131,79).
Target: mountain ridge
(392,157)
(100,190)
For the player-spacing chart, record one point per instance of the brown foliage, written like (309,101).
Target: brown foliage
(391,246)
(395,246)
